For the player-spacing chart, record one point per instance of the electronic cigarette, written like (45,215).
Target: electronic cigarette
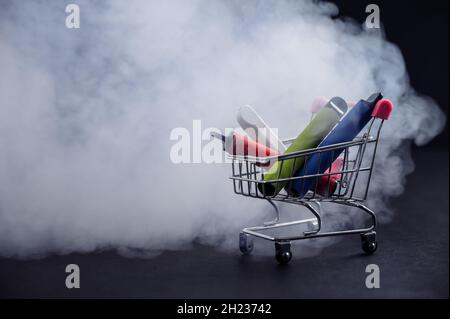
(346,130)
(255,127)
(237,144)
(309,138)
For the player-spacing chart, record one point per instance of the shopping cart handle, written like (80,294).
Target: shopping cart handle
(383,109)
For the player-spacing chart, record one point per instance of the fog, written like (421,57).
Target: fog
(86,115)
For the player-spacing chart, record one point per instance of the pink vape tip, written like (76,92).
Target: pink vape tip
(383,109)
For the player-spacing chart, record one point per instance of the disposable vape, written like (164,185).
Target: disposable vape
(255,127)
(346,130)
(240,145)
(326,185)
(310,137)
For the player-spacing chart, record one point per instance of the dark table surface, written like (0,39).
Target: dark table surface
(413,258)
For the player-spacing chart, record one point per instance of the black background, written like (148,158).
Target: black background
(420,29)
(413,254)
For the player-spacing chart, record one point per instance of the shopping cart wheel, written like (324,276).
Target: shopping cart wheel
(283,252)
(369,242)
(245,243)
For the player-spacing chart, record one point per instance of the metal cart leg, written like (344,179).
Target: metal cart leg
(283,252)
(245,243)
(316,213)
(277,214)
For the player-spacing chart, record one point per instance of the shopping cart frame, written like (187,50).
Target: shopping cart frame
(247,175)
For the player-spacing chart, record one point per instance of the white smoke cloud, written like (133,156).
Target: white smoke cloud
(85,115)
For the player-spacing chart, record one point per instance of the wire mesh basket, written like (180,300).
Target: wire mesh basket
(344,184)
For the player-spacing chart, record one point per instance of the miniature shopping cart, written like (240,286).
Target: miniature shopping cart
(353,179)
